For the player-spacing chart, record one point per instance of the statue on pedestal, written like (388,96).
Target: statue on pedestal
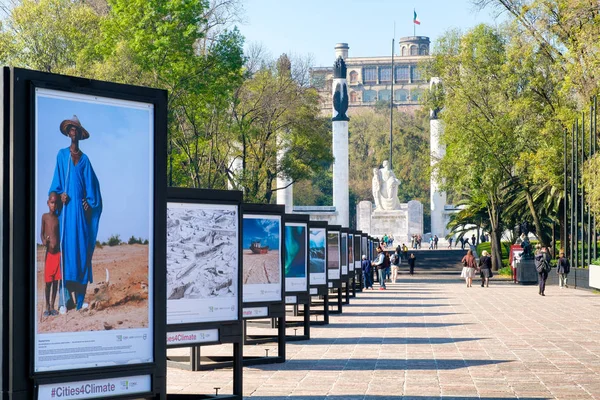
(385,188)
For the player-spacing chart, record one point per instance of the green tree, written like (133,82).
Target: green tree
(271,112)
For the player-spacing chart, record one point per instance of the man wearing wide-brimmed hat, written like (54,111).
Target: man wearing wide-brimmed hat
(76,183)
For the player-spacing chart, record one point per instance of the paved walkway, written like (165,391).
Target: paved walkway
(430,337)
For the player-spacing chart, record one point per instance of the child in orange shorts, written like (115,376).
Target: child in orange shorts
(51,239)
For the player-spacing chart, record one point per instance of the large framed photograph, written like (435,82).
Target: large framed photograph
(202,262)
(262,268)
(296,247)
(94,225)
(333,255)
(344,251)
(364,246)
(318,271)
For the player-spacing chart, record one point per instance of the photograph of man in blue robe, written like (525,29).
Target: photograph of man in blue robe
(76,183)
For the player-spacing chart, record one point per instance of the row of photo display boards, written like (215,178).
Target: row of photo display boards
(118,266)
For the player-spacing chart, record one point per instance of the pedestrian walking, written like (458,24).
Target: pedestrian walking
(485,268)
(542,266)
(450,243)
(563,267)
(411,264)
(367,272)
(405,251)
(462,243)
(430,243)
(473,240)
(395,260)
(435,241)
(469,268)
(379,265)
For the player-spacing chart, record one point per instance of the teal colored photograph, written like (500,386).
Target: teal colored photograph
(295,251)
(317,251)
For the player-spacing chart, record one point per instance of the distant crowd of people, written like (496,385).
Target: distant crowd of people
(386,265)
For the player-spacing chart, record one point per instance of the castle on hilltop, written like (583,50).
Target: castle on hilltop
(370,78)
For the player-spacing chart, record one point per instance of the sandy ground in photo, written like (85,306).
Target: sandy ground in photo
(120,304)
(261,268)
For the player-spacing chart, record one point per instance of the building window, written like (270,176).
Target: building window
(385,95)
(403,51)
(370,74)
(385,74)
(415,74)
(414,51)
(401,95)
(369,96)
(353,76)
(416,95)
(423,51)
(353,97)
(402,73)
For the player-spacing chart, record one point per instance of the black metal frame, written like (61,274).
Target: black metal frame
(275,309)
(19,379)
(230,332)
(351,265)
(345,278)
(319,290)
(334,286)
(302,297)
(358,277)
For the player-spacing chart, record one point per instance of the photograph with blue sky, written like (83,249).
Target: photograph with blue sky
(264,229)
(119,151)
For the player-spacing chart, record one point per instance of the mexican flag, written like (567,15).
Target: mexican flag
(415,19)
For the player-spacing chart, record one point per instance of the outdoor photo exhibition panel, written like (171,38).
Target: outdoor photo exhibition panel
(89,211)
(262,258)
(357,261)
(296,255)
(318,271)
(4,120)
(344,252)
(318,254)
(334,264)
(203,260)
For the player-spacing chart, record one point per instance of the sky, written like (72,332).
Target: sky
(118,148)
(313,27)
(265,228)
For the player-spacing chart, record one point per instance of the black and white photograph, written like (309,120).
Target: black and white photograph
(202,263)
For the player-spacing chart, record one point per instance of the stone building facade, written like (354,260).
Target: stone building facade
(370,78)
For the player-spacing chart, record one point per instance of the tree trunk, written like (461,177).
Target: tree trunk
(496,234)
(562,224)
(536,219)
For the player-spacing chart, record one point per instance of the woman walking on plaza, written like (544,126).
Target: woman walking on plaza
(469,267)
(563,267)
(485,266)
(542,266)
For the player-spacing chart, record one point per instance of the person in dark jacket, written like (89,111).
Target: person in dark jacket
(542,257)
(367,273)
(381,267)
(411,263)
(563,267)
(485,268)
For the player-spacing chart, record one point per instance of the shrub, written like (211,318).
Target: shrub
(98,244)
(505,271)
(114,240)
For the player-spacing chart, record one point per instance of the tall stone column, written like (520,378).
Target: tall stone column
(437,151)
(341,196)
(285,193)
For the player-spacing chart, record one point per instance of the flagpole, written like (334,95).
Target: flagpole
(414,24)
(392,101)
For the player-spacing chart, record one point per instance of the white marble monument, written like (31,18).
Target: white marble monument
(387,215)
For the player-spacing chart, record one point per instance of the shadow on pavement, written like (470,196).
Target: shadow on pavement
(380,340)
(381,364)
(368,325)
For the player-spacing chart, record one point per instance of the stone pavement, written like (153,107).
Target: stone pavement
(430,337)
